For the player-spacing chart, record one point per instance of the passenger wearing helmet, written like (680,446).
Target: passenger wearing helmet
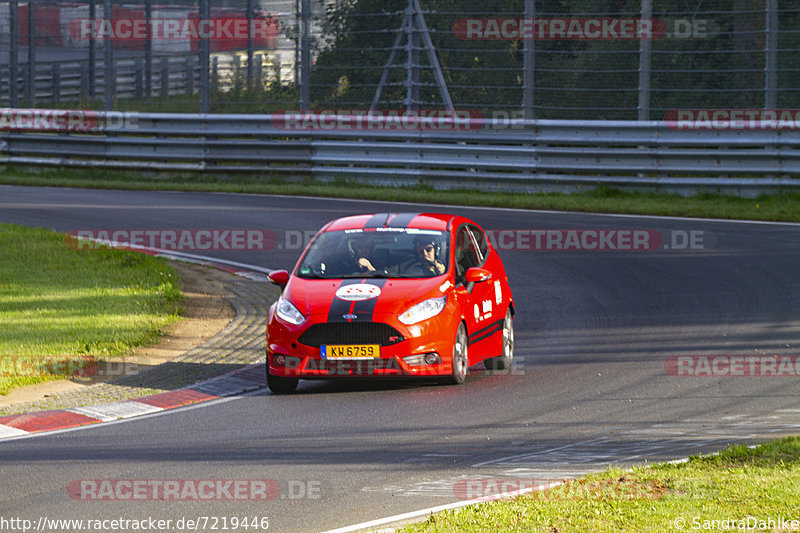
(425,262)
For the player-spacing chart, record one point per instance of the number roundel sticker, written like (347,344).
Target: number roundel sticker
(358,292)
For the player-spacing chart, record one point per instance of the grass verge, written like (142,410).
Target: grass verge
(741,488)
(778,207)
(59,306)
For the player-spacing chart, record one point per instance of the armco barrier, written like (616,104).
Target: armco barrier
(483,154)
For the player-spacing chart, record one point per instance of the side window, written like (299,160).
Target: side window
(480,239)
(465,253)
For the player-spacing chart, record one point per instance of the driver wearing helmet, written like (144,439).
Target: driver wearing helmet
(425,262)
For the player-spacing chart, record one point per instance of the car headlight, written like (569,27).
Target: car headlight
(288,312)
(423,311)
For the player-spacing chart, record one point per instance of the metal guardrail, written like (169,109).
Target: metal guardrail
(482,154)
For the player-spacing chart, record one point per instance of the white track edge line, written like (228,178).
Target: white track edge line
(437,509)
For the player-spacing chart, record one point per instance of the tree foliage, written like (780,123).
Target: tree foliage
(712,56)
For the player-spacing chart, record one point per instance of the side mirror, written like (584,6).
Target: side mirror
(279,278)
(477,275)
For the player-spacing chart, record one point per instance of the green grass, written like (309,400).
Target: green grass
(762,483)
(57,304)
(783,207)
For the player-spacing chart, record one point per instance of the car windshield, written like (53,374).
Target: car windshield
(379,253)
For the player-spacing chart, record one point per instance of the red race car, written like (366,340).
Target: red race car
(391,294)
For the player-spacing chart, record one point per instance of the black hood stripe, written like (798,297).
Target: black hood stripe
(363,309)
(402,220)
(377,220)
(390,220)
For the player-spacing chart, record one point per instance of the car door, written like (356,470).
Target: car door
(478,299)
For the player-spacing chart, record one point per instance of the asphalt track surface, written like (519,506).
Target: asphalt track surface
(590,387)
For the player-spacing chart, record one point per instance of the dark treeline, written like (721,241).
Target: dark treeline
(708,54)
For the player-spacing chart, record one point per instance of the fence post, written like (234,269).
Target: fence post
(771,56)
(189,75)
(529,63)
(305,54)
(13,54)
(56,82)
(164,77)
(26,89)
(645,58)
(237,72)
(412,59)
(205,51)
(138,79)
(297,42)
(85,84)
(108,60)
(250,44)
(259,70)
(214,75)
(92,52)
(31,78)
(148,51)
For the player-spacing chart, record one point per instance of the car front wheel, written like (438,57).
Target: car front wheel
(281,384)
(460,360)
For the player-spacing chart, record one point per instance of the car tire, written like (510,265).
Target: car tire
(281,384)
(460,359)
(504,361)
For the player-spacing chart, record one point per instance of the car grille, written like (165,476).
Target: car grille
(351,333)
(353,368)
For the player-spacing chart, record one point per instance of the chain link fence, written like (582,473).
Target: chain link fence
(545,59)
